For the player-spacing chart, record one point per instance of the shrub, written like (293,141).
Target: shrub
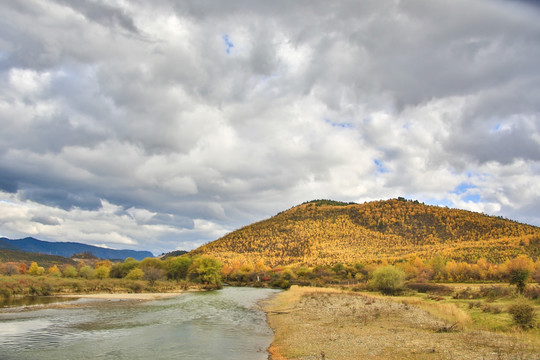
(429,288)
(303,271)
(496,292)
(491,309)
(281,283)
(474,304)
(523,314)
(467,293)
(288,274)
(388,280)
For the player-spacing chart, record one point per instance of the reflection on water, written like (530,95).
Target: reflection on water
(31,300)
(223,324)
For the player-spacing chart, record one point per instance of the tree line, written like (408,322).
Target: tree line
(204,270)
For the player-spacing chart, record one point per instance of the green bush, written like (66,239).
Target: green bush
(135,274)
(70,272)
(389,280)
(523,314)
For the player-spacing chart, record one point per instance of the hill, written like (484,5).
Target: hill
(67,249)
(173,253)
(27,257)
(324,232)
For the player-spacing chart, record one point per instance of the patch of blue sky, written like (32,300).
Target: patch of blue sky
(468,192)
(228,43)
(471,174)
(343,125)
(499,127)
(439,202)
(475,198)
(381,169)
(463,188)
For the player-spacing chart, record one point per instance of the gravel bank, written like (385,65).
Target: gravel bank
(327,324)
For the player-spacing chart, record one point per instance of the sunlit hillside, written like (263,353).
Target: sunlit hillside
(326,232)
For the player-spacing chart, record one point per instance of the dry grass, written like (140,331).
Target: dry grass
(448,312)
(329,324)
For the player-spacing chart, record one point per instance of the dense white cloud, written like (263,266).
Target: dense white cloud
(164,125)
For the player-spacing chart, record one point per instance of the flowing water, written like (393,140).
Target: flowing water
(224,324)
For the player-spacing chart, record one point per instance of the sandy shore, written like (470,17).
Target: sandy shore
(311,323)
(126,296)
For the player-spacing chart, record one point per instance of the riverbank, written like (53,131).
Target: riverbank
(315,323)
(25,285)
(124,296)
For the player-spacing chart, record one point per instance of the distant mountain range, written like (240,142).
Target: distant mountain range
(67,249)
(325,232)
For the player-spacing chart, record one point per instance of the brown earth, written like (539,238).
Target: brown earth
(314,324)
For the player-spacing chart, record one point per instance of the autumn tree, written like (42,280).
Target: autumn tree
(102,272)
(54,271)
(153,274)
(519,270)
(86,272)
(70,272)
(35,269)
(151,263)
(107,263)
(206,270)
(135,274)
(120,270)
(9,268)
(177,267)
(23,268)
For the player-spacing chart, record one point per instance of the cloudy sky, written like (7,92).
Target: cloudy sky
(164,124)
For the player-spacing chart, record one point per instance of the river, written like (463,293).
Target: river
(224,324)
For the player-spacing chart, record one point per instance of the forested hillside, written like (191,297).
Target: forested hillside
(326,232)
(47,261)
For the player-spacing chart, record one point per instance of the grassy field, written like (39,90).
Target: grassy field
(314,323)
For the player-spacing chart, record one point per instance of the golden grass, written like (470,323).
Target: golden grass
(448,312)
